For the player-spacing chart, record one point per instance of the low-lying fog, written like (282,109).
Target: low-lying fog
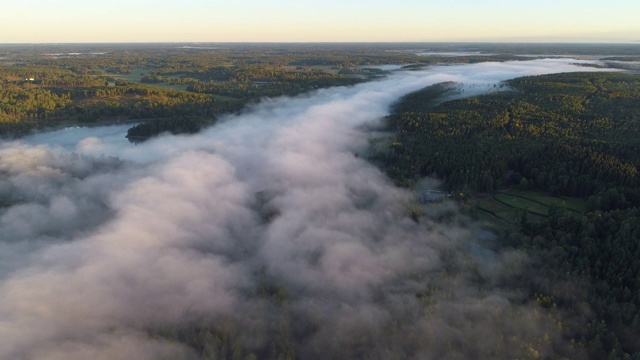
(104,246)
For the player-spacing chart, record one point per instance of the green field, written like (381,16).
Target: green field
(496,209)
(502,210)
(167,86)
(518,202)
(571,204)
(136,75)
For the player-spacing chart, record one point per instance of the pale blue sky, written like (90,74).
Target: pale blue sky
(328,20)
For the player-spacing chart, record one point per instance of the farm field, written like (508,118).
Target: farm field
(506,209)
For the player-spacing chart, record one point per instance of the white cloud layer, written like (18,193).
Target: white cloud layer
(98,254)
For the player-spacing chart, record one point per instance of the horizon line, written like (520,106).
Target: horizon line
(633,42)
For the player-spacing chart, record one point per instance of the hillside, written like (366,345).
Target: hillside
(552,164)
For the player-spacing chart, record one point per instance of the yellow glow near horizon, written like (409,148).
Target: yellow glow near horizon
(32,21)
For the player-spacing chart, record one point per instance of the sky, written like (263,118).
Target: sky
(62,21)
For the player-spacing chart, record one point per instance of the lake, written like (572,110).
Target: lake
(71,138)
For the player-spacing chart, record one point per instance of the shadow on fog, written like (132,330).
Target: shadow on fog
(264,230)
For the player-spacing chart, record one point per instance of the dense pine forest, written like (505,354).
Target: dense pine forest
(572,137)
(183,88)
(550,164)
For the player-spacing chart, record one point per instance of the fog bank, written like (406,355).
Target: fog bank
(266,227)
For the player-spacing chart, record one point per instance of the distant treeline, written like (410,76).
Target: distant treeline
(26,106)
(39,90)
(45,85)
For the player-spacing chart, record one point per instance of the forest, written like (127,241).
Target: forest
(565,136)
(173,89)
(48,86)
(548,163)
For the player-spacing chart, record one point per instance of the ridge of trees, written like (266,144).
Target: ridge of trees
(573,134)
(41,86)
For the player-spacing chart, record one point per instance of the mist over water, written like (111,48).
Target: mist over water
(266,223)
(68,138)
